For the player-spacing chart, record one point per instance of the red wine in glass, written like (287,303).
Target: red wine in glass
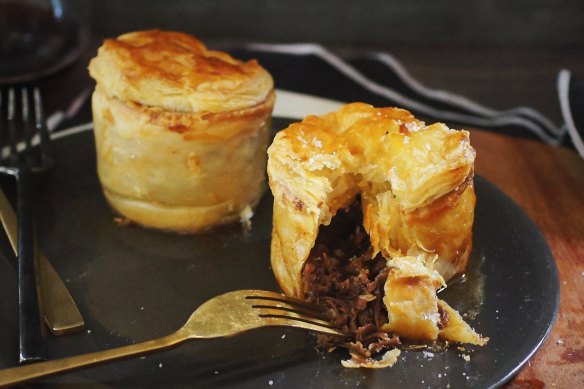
(37,38)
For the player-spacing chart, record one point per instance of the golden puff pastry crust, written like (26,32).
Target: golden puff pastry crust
(415,183)
(175,71)
(180,146)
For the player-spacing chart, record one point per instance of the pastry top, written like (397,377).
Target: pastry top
(175,71)
(383,148)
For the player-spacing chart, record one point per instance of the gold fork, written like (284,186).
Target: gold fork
(225,315)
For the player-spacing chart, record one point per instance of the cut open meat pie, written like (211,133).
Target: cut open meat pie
(373,211)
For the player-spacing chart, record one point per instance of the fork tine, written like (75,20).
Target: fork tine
(284,321)
(278,306)
(27,132)
(273,296)
(20,132)
(4,130)
(282,310)
(268,311)
(41,127)
(12,139)
(292,319)
(282,307)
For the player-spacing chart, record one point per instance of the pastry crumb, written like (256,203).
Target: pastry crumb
(388,360)
(466,357)
(245,216)
(122,221)
(428,354)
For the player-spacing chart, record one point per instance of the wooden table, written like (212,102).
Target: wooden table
(548,183)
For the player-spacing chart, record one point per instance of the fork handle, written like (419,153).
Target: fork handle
(32,339)
(22,374)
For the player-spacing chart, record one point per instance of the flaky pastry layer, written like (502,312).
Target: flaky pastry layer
(175,71)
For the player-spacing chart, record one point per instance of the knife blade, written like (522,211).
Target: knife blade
(61,313)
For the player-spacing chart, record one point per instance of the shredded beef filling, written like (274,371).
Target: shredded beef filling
(444,316)
(350,282)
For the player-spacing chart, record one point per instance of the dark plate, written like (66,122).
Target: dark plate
(134,284)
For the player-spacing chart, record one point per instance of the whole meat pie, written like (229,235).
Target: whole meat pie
(373,211)
(181,131)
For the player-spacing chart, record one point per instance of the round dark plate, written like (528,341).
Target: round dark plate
(134,284)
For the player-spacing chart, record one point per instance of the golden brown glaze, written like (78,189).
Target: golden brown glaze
(175,71)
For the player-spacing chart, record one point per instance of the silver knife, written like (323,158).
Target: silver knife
(61,313)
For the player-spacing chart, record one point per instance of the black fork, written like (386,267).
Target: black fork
(23,128)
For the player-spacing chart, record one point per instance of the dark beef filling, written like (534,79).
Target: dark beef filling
(444,316)
(341,274)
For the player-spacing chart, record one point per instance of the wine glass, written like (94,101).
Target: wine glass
(37,38)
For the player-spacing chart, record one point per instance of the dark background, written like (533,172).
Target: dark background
(499,53)
(349,22)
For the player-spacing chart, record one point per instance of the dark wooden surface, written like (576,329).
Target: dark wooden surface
(547,182)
